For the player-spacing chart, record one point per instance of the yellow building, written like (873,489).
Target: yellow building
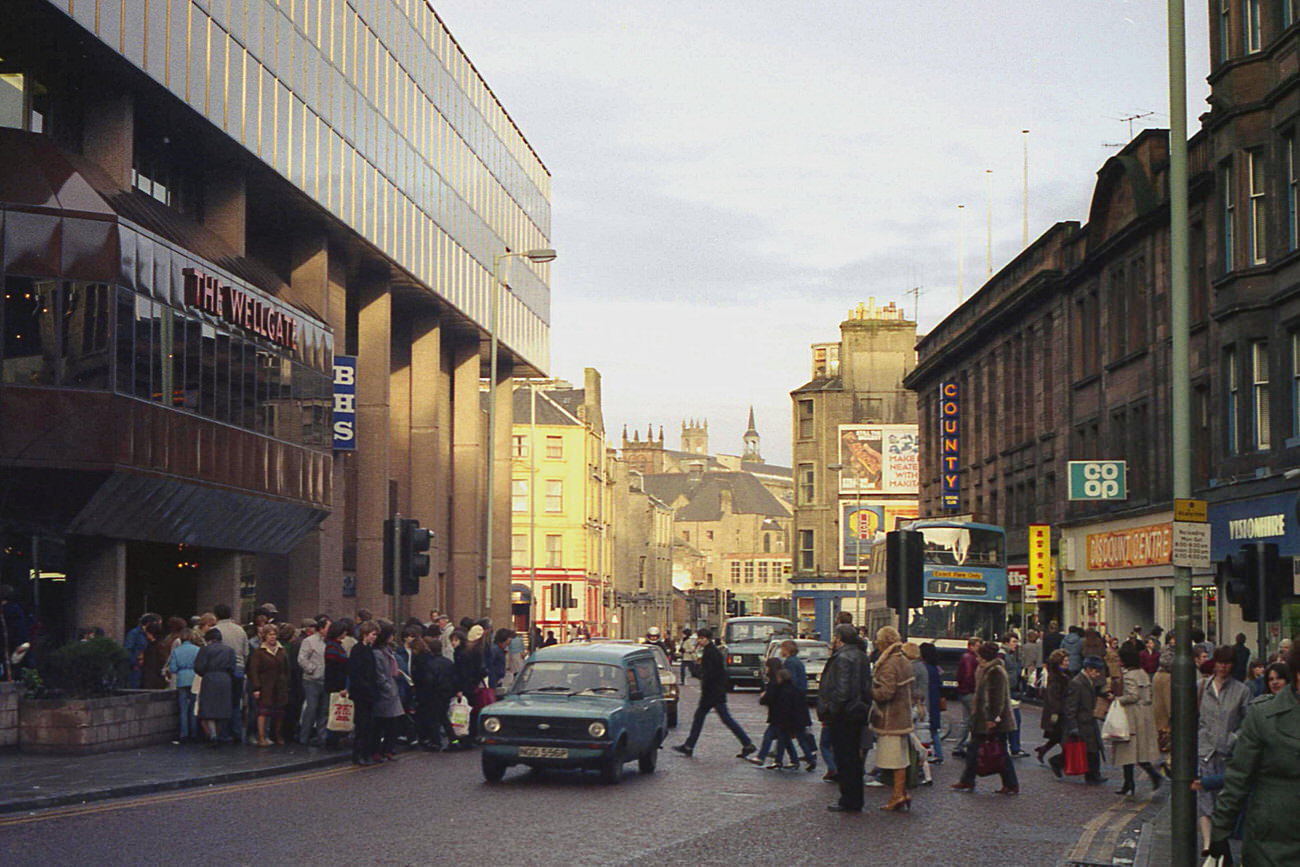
(561,505)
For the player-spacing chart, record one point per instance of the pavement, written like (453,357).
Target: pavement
(32,782)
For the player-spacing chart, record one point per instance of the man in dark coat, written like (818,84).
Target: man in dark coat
(1077,719)
(363,689)
(713,696)
(843,703)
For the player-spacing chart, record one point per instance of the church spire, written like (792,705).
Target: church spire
(751,438)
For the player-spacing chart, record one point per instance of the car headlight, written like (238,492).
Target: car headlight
(733,660)
(596,729)
(491,725)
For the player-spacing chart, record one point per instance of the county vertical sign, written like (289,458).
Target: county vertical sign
(950,445)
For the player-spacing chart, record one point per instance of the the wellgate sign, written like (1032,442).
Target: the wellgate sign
(207,293)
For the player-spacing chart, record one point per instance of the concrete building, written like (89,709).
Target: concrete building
(642,529)
(562,507)
(854,460)
(210,211)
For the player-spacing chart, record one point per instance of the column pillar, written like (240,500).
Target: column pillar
(426,470)
(109,133)
(97,571)
(374,366)
(464,581)
(219,572)
(503,394)
(225,206)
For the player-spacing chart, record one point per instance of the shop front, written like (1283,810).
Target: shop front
(1272,518)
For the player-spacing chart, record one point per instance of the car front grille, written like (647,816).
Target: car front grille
(542,727)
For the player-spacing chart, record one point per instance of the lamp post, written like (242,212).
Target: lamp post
(857,542)
(539,255)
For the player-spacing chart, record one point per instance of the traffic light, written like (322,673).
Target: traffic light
(904,562)
(1239,574)
(406,560)
(415,562)
(731,604)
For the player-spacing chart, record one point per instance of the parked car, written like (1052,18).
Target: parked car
(814,655)
(587,705)
(745,640)
(667,677)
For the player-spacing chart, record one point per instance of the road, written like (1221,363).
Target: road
(709,809)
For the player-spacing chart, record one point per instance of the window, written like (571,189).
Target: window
(805,419)
(763,571)
(1259,395)
(554,551)
(1292,191)
(708,534)
(749,571)
(554,448)
(870,409)
(1258,214)
(1225,175)
(519,495)
(807,484)
(1225,20)
(519,549)
(1117,318)
(1295,383)
(24,104)
(806,550)
(1252,26)
(1288,14)
(554,495)
(519,446)
(735,571)
(767,543)
(1230,410)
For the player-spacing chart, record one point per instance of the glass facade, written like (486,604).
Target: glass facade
(374,112)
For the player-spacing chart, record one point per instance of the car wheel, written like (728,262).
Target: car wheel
(672,716)
(611,770)
(493,768)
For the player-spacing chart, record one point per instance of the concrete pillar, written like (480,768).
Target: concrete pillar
(97,572)
(219,574)
(426,468)
(464,581)
(503,394)
(225,206)
(109,133)
(374,469)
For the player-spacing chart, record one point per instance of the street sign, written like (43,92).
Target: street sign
(1191,544)
(1197,511)
(1295,576)
(1098,480)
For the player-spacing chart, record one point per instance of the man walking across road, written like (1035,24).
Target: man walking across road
(1078,721)
(966,669)
(843,703)
(713,696)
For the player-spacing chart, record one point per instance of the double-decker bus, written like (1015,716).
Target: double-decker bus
(965,588)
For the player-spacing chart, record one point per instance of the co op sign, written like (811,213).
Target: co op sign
(1098,480)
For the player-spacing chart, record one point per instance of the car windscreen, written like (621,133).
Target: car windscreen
(759,631)
(571,678)
(814,652)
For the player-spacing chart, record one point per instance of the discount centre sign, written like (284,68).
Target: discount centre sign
(1098,480)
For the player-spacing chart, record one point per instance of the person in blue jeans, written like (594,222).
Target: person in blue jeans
(799,677)
(181,665)
(713,696)
(934,697)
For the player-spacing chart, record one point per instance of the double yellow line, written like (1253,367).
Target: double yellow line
(169,797)
(1112,821)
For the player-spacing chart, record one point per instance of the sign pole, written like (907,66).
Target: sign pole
(1183,831)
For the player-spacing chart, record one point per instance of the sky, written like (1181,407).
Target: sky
(730,177)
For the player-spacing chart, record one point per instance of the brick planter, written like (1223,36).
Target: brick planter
(9,714)
(96,725)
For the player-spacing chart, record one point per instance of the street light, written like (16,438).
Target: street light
(540,255)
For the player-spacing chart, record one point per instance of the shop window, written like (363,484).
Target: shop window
(29,330)
(85,318)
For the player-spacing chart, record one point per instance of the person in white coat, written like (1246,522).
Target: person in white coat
(1142,747)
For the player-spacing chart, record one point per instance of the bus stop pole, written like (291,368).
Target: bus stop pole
(1183,724)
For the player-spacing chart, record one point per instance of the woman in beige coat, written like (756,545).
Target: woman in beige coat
(1141,748)
(891,715)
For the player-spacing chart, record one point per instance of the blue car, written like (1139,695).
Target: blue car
(591,706)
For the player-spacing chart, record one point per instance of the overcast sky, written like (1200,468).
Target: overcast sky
(729,178)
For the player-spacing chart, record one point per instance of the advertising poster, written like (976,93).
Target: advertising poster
(862,527)
(879,459)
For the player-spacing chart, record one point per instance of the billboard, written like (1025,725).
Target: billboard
(879,459)
(863,526)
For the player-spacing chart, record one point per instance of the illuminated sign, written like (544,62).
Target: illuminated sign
(864,524)
(207,293)
(345,403)
(1041,574)
(950,445)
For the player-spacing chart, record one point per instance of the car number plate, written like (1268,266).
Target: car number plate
(543,753)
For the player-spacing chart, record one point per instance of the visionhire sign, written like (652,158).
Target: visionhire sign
(237,307)
(950,445)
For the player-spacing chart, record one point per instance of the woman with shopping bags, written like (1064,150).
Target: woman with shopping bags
(1141,746)
(992,718)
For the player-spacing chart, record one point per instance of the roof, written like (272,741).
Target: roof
(558,407)
(703,494)
(609,654)
(832,383)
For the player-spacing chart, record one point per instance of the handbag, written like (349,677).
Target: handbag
(196,686)
(458,714)
(1115,728)
(992,757)
(342,714)
(1076,757)
(483,696)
